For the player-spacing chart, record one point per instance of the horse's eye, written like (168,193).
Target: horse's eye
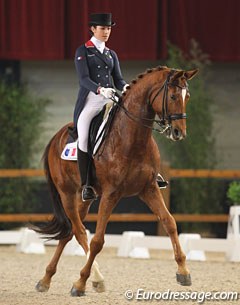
(173,97)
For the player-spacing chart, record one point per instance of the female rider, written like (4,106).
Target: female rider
(98,71)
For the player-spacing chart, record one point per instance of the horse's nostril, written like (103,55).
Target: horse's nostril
(177,134)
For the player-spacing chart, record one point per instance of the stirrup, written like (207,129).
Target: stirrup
(161,182)
(88,193)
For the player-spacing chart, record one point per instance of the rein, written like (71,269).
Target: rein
(138,120)
(165,122)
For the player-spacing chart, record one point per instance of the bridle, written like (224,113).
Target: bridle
(165,116)
(165,122)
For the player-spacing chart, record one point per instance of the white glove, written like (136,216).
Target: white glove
(125,88)
(107,92)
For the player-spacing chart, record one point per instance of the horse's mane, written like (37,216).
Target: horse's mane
(140,76)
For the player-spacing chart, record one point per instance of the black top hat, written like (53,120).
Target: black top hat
(104,19)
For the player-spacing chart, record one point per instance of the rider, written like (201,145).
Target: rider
(98,69)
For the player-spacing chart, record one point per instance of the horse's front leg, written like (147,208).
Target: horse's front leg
(154,199)
(106,206)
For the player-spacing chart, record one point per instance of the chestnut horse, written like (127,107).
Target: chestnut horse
(127,166)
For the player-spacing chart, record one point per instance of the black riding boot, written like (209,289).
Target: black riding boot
(161,182)
(83,164)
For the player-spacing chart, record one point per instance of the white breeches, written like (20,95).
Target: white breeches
(94,104)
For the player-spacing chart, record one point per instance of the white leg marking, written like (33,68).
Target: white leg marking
(96,274)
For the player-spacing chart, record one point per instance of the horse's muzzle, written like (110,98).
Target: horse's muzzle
(175,134)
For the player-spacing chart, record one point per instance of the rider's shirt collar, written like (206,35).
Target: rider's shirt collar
(100,45)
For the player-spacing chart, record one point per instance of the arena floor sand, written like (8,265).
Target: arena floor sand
(20,272)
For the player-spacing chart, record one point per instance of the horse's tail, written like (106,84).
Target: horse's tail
(59,226)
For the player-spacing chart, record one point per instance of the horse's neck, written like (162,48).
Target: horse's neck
(137,131)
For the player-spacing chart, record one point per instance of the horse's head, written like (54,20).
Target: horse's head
(169,102)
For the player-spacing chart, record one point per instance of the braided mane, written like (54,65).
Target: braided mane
(140,76)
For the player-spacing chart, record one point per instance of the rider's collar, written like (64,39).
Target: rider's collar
(100,45)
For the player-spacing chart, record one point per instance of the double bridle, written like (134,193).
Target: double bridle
(165,122)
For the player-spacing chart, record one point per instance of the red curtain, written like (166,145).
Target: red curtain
(53,29)
(32,29)
(214,24)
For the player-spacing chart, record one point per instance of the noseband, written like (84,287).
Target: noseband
(167,119)
(165,122)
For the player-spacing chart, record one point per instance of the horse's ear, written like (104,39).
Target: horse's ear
(177,75)
(190,74)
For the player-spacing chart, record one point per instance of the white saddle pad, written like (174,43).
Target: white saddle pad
(70,152)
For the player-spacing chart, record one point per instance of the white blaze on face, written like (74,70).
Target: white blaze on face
(184,92)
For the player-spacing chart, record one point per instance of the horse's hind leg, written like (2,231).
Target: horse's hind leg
(44,284)
(106,206)
(70,204)
(77,215)
(153,198)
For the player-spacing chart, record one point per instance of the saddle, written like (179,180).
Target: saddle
(100,127)
(98,131)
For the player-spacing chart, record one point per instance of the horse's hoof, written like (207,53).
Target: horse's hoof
(184,279)
(77,293)
(41,288)
(99,286)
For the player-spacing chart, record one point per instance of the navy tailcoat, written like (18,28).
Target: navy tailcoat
(95,69)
